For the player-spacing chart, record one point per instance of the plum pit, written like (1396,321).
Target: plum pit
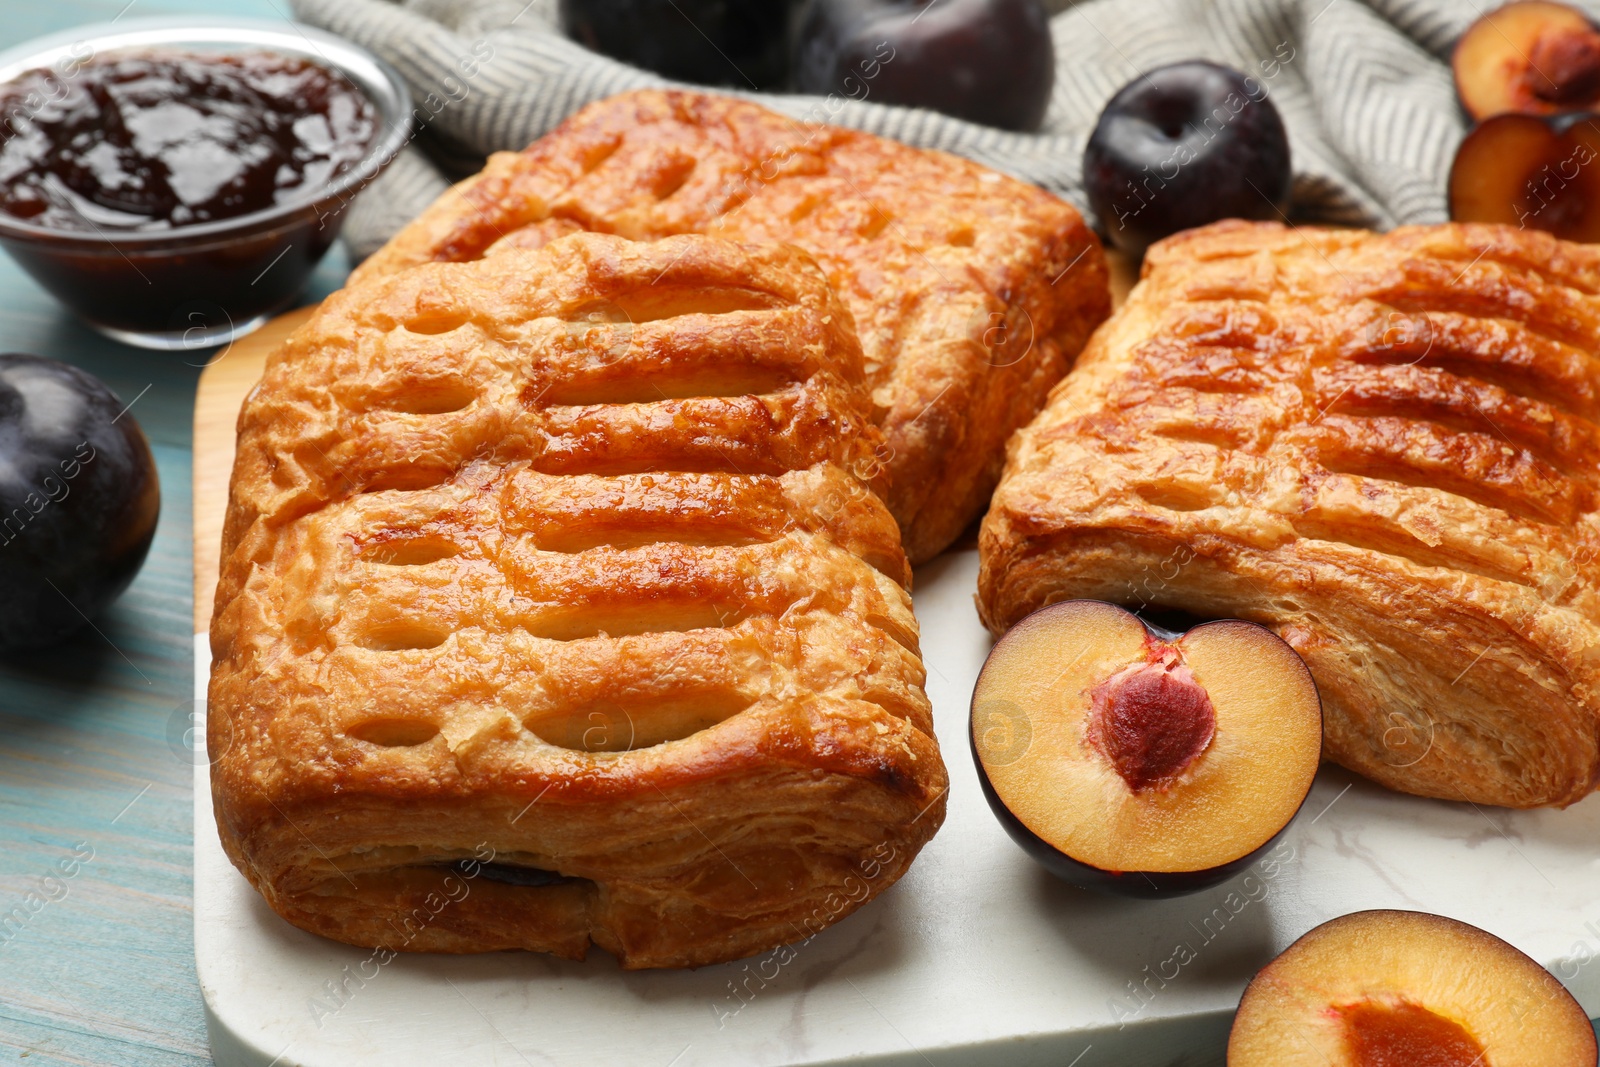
(1564,66)
(1405,1034)
(1151,721)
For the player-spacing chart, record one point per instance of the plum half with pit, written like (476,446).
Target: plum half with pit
(1406,989)
(1136,761)
(986,61)
(79,499)
(1537,172)
(1182,146)
(1531,57)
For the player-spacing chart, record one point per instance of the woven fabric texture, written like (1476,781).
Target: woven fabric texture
(1364,87)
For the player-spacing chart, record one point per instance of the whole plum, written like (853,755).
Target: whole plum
(987,61)
(79,499)
(1181,146)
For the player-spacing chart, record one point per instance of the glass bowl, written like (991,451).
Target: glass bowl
(196,286)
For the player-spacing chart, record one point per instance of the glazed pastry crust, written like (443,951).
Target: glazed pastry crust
(570,560)
(972,292)
(1381,446)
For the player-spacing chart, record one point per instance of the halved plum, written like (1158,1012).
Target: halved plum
(1130,759)
(1533,172)
(1406,989)
(1531,57)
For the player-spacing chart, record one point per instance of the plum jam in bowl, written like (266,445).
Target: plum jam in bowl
(176,183)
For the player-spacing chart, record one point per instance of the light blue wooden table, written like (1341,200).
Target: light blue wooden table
(103,971)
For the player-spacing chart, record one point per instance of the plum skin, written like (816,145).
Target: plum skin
(985,61)
(79,499)
(1182,146)
(1140,885)
(725,43)
(1143,885)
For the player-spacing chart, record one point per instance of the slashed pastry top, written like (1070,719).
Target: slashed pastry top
(1384,447)
(563,575)
(971,291)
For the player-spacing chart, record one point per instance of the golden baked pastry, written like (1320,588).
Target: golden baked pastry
(971,291)
(553,610)
(1383,447)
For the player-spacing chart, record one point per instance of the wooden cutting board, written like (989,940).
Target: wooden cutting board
(224,384)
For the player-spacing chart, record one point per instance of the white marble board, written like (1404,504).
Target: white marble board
(976,957)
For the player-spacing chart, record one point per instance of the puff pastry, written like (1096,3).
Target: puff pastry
(554,610)
(1384,448)
(971,291)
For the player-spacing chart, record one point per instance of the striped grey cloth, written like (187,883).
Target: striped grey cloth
(1363,85)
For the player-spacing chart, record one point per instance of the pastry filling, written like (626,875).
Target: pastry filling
(509,873)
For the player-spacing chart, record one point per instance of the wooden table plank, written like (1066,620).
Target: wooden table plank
(91,752)
(98,968)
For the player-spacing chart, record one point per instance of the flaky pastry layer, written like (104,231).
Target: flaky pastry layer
(558,606)
(971,291)
(1385,448)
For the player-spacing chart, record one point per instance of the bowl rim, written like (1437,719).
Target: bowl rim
(371,76)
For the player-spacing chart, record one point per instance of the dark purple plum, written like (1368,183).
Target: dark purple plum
(1182,146)
(737,43)
(986,61)
(79,498)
